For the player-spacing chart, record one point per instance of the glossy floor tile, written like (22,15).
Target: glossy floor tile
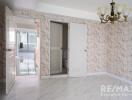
(25,64)
(88,88)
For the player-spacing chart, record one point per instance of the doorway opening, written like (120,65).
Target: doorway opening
(58,48)
(22,50)
(26,43)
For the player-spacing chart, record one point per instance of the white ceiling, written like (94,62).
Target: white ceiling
(30,4)
(86,5)
(74,8)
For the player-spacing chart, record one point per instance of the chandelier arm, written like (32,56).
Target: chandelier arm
(119,15)
(105,20)
(121,20)
(107,17)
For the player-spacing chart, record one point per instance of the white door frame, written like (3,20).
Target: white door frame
(10,51)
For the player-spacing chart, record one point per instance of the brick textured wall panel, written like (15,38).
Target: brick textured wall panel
(119,49)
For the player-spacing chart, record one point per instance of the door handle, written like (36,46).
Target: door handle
(85,50)
(8,49)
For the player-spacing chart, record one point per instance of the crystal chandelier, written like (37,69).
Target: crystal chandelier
(116,12)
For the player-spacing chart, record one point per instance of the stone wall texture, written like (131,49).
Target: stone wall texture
(2,42)
(109,47)
(96,48)
(119,49)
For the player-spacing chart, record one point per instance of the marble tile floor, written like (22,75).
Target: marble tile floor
(25,64)
(88,88)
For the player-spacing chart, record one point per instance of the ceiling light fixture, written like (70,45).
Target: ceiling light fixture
(116,12)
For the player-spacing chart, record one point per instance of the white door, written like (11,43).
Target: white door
(10,50)
(77,54)
(56,48)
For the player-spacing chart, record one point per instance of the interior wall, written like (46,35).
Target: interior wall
(109,47)
(96,51)
(2,44)
(119,49)
(96,48)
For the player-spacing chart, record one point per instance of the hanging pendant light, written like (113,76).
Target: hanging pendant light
(116,12)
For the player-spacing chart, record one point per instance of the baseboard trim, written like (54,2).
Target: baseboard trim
(119,78)
(64,76)
(97,73)
(53,76)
